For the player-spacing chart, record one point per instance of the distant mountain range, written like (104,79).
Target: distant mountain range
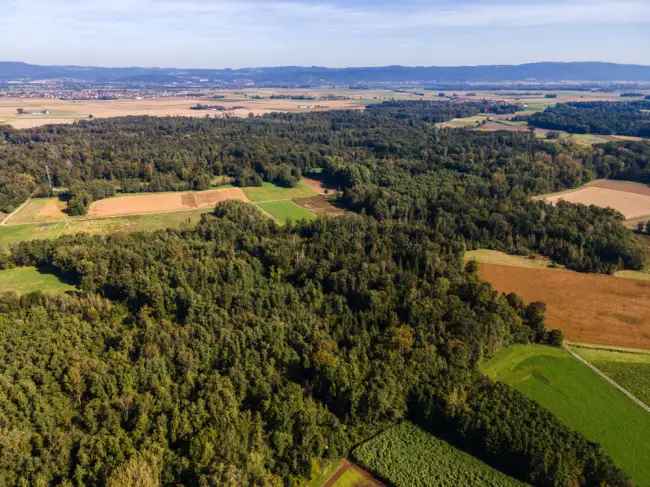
(544,72)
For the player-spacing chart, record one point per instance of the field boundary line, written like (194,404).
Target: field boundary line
(13,213)
(634,399)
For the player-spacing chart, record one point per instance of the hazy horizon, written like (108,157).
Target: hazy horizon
(329,33)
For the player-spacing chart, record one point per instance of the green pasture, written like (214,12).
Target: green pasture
(24,280)
(580,399)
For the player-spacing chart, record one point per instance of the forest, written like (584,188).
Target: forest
(597,117)
(236,352)
(390,162)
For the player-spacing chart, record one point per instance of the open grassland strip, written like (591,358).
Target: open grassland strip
(581,399)
(8,217)
(636,400)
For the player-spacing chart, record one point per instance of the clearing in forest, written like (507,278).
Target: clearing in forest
(24,280)
(162,202)
(628,198)
(407,456)
(581,399)
(286,211)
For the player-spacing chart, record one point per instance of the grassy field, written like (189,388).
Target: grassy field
(285,211)
(270,192)
(24,280)
(580,399)
(408,456)
(631,370)
(11,234)
(486,256)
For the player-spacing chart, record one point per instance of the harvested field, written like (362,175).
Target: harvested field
(237,105)
(630,199)
(320,205)
(39,210)
(588,308)
(162,202)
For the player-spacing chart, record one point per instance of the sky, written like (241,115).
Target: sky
(337,33)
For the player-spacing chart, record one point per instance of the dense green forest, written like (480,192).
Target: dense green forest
(234,353)
(390,162)
(596,117)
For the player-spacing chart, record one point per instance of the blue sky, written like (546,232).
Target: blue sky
(238,33)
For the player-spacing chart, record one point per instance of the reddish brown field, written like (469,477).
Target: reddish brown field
(162,202)
(588,308)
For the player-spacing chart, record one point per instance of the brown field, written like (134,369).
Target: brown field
(320,205)
(39,210)
(588,308)
(630,199)
(162,202)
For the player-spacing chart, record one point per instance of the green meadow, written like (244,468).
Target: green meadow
(24,280)
(580,399)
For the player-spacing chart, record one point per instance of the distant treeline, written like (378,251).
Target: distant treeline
(390,162)
(606,118)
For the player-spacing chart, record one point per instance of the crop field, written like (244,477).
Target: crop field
(286,211)
(407,456)
(588,308)
(629,369)
(238,104)
(630,204)
(24,280)
(12,234)
(580,399)
(162,202)
(319,205)
(39,210)
(269,192)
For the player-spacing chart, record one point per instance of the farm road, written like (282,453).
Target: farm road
(638,401)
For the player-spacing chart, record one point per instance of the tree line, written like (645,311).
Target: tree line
(596,117)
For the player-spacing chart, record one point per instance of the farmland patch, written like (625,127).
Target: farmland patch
(407,456)
(588,308)
(580,399)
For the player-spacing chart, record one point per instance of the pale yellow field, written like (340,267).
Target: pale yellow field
(65,111)
(162,202)
(630,199)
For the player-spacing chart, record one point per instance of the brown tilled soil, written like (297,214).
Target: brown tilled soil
(162,202)
(588,308)
(627,186)
(319,205)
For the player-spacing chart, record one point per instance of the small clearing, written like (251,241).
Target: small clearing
(25,280)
